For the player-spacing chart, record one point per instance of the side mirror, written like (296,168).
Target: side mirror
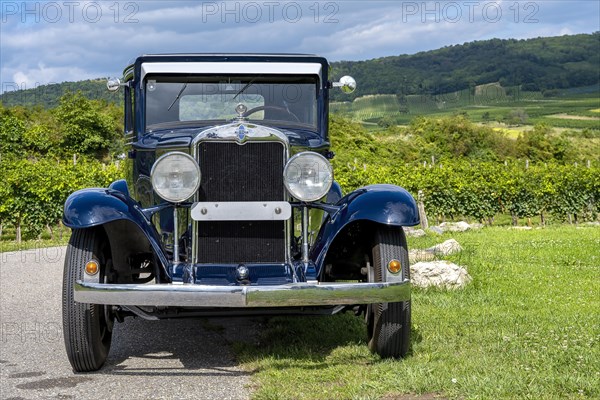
(346,83)
(113,84)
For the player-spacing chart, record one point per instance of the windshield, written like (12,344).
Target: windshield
(270,100)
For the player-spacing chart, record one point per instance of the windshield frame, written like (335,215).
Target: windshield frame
(247,84)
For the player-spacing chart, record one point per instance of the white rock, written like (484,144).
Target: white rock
(414,232)
(442,274)
(417,255)
(455,226)
(593,223)
(476,225)
(448,247)
(436,229)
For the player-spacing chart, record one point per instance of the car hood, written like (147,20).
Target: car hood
(239,131)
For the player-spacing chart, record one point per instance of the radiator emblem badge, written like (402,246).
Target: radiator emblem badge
(241,133)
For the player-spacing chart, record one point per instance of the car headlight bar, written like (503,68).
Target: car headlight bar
(175,176)
(308,176)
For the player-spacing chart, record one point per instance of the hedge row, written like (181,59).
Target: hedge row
(482,190)
(32,192)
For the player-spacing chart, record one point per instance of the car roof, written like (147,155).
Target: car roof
(226,57)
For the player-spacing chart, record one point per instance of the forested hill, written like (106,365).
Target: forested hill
(536,64)
(48,96)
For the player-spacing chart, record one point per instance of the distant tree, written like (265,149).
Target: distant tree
(386,122)
(87,128)
(516,117)
(540,144)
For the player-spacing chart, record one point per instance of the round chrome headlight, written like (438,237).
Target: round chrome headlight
(175,176)
(308,176)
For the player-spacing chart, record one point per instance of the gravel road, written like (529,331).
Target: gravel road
(148,359)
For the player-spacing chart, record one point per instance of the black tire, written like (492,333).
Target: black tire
(87,328)
(388,324)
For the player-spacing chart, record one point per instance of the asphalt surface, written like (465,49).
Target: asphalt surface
(178,359)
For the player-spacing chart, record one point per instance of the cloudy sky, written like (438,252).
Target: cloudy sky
(54,41)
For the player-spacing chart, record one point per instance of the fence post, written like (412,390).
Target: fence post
(18,229)
(421,206)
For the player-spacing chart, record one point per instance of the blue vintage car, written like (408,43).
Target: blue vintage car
(230,207)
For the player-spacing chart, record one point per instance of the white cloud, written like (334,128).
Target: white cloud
(31,77)
(75,48)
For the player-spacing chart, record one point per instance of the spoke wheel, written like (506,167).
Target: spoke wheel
(388,324)
(87,328)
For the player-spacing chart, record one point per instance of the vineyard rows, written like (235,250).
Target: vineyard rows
(482,190)
(32,192)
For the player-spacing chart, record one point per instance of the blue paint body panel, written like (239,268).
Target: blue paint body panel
(382,204)
(92,207)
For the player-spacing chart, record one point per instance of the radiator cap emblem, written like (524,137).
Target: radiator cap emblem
(241,133)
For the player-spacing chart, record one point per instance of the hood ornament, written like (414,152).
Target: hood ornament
(241,109)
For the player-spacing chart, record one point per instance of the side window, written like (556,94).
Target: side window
(129,111)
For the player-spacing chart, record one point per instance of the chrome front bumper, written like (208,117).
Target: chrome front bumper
(297,294)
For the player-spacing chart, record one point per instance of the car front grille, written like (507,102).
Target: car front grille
(234,172)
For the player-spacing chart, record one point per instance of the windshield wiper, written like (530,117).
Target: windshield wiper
(246,86)
(178,96)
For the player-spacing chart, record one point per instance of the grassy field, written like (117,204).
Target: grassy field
(572,108)
(528,326)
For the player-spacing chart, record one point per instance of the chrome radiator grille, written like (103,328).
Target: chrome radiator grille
(233,172)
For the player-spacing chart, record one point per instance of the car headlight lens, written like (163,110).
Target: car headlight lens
(308,176)
(175,176)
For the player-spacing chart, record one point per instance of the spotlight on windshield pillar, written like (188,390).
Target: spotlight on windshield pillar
(113,84)
(346,83)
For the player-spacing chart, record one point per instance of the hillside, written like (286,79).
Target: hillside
(535,64)
(47,96)
(539,64)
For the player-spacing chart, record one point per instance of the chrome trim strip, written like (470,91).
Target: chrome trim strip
(294,294)
(241,211)
(230,133)
(249,68)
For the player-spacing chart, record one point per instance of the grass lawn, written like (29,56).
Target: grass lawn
(528,326)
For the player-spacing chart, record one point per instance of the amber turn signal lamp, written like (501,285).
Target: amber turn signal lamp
(91,267)
(394,266)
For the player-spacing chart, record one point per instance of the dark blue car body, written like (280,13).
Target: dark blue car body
(162,264)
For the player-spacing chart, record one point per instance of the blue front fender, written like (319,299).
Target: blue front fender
(383,204)
(88,208)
